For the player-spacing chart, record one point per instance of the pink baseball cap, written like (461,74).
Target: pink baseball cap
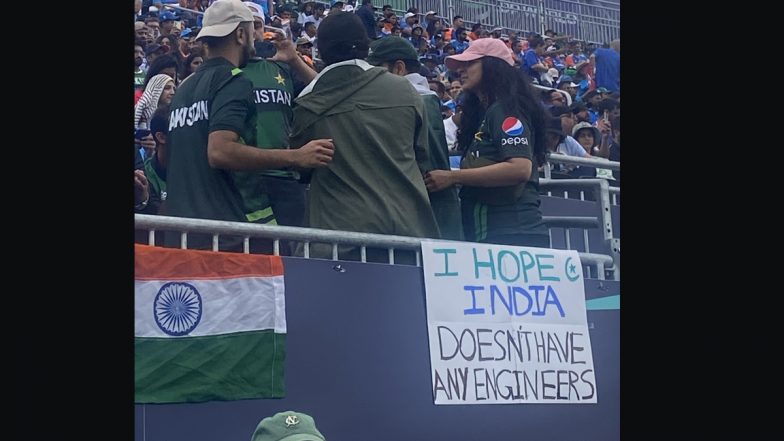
(483,47)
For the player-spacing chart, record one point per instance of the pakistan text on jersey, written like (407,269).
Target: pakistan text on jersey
(275,96)
(183,116)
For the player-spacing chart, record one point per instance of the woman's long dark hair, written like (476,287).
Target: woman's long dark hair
(508,85)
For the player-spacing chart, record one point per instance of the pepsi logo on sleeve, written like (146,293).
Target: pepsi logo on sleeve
(513,128)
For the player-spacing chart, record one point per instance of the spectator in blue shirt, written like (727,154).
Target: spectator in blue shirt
(461,42)
(608,66)
(533,63)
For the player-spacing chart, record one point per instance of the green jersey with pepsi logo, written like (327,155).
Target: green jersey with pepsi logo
(493,211)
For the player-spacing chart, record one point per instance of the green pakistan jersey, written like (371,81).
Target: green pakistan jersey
(493,211)
(216,97)
(273,88)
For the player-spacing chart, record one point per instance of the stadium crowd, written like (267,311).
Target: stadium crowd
(346,116)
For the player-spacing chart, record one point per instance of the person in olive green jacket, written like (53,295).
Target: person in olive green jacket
(377,124)
(398,56)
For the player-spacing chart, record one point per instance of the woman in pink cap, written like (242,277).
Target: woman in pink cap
(502,136)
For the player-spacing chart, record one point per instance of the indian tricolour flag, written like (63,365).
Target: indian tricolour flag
(208,326)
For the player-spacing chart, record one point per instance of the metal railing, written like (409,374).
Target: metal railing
(610,197)
(575,160)
(599,262)
(601,193)
(569,223)
(598,22)
(615,192)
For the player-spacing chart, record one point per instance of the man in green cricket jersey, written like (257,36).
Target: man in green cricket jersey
(275,196)
(212,131)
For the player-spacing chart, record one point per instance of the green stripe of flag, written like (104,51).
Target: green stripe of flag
(235,366)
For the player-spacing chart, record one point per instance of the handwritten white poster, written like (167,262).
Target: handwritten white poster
(506,325)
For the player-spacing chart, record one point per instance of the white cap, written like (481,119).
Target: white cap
(255,9)
(408,14)
(223,17)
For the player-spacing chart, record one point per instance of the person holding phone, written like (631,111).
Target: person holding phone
(144,145)
(276,80)
(603,149)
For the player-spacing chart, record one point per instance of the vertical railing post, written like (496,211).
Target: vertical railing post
(602,194)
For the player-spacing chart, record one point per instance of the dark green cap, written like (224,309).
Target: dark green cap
(287,426)
(390,49)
